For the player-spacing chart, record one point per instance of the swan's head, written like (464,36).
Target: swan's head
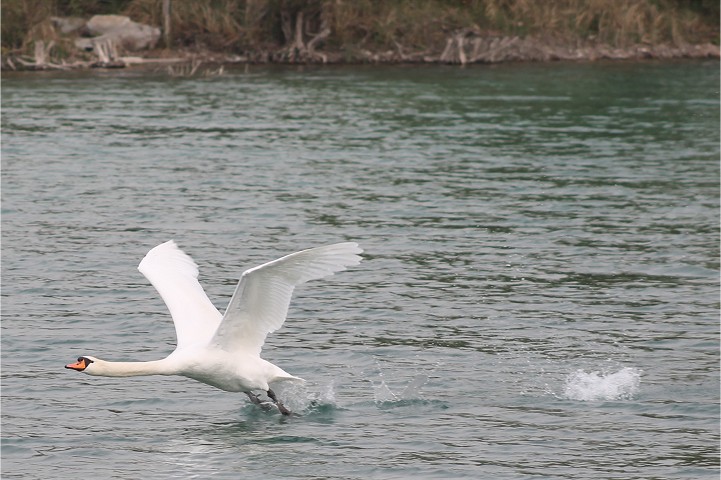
(84,364)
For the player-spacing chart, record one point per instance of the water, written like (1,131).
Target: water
(539,296)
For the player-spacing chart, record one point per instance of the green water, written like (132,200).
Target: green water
(539,295)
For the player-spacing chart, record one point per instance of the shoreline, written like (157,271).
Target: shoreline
(482,50)
(464,48)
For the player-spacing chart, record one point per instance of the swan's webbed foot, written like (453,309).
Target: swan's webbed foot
(256,401)
(281,407)
(266,405)
(253,398)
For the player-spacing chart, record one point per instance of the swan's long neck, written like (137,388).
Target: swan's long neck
(130,369)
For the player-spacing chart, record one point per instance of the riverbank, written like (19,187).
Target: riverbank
(458,50)
(358,32)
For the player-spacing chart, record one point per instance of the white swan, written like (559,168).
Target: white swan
(224,350)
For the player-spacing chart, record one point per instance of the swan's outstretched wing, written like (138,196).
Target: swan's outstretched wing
(175,276)
(261,299)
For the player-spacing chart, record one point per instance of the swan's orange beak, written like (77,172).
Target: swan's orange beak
(80,365)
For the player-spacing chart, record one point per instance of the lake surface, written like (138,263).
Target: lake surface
(539,296)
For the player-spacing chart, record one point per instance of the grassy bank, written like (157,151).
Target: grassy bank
(352,30)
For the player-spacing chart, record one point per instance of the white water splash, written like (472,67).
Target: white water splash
(302,397)
(620,385)
(413,389)
(327,395)
(382,393)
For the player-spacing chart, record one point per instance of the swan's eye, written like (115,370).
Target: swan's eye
(86,360)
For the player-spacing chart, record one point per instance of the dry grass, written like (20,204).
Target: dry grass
(244,25)
(20,18)
(615,22)
(240,24)
(214,24)
(427,22)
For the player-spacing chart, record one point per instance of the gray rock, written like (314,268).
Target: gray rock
(121,31)
(68,25)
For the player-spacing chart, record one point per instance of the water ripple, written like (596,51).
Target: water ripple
(539,295)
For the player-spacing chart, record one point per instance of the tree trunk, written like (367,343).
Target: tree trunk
(166,24)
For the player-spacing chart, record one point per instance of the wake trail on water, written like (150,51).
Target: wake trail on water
(303,399)
(594,386)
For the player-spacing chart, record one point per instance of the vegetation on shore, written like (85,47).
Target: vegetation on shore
(455,31)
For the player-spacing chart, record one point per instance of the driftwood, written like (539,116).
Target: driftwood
(107,53)
(142,61)
(41,59)
(317,39)
(297,50)
(455,51)
(471,46)
(40,53)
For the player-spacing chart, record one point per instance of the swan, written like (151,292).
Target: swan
(224,350)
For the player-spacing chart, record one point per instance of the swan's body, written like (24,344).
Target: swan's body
(224,350)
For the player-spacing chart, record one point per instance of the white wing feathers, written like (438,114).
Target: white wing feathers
(175,276)
(261,299)
(259,304)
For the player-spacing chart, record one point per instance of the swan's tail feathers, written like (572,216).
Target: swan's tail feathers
(287,378)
